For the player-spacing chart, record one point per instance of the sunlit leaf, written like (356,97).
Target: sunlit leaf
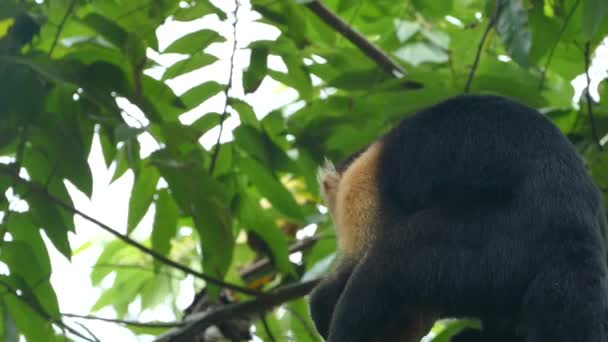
(194,42)
(141,196)
(512,26)
(417,53)
(189,64)
(165,222)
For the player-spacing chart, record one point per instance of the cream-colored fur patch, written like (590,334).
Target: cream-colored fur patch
(356,203)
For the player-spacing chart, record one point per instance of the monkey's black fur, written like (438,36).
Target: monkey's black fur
(486,211)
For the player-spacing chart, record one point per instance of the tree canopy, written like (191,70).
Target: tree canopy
(241,216)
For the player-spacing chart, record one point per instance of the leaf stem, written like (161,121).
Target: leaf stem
(218,146)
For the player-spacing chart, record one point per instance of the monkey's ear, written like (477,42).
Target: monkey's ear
(328,177)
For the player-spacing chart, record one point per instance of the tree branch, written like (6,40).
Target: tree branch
(218,146)
(95,338)
(482,41)
(543,77)
(125,322)
(367,47)
(157,256)
(61,25)
(200,321)
(264,265)
(267,328)
(588,98)
(40,311)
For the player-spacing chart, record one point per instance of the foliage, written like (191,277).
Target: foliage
(66,64)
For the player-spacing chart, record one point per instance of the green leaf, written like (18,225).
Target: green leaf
(189,64)
(206,122)
(155,291)
(224,162)
(110,253)
(252,141)
(198,10)
(438,38)
(8,8)
(345,5)
(320,268)
(512,26)
(128,157)
(452,327)
(357,79)
(246,112)
(213,224)
(194,42)
(258,67)
(165,222)
(271,188)
(22,261)
(125,132)
(255,219)
(141,196)
(594,12)
(47,215)
(418,53)
(434,9)
(107,28)
(298,76)
(22,230)
(126,287)
(405,29)
(200,93)
(28,321)
(9,330)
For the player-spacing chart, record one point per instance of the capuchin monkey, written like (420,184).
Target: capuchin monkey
(476,207)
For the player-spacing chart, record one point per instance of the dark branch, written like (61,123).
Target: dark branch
(482,42)
(263,266)
(543,77)
(267,328)
(367,47)
(40,311)
(157,256)
(67,14)
(199,322)
(588,98)
(125,322)
(218,146)
(84,327)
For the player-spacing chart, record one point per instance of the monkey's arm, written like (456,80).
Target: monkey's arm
(374,293)
(325,296)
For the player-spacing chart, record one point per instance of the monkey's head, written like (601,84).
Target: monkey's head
(351,193)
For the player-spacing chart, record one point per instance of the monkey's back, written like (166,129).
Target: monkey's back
(471,153)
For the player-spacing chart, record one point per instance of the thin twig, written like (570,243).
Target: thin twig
(218,146)
(491,23)
(126,322)
(264,265)
(267,328)
(200,321)
(61,25)
(543,77)
(166,274)
(40,311)
(588,98)
(367,47)
(157,256)
(309,330)
(93,336)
